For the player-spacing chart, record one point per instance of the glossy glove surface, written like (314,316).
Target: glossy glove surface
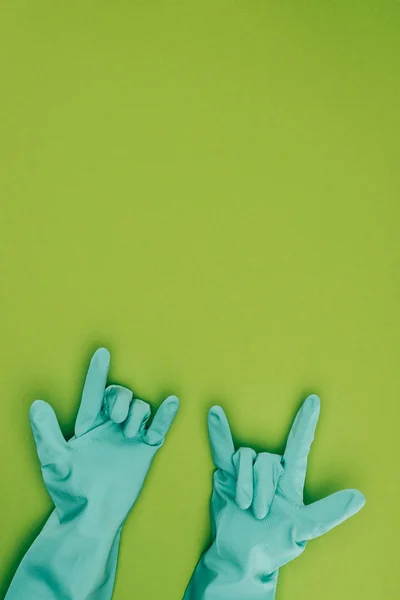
(93,480)
(103,467)
(259,520)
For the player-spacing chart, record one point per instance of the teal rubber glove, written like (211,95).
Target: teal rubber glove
(259,520)
(93,480)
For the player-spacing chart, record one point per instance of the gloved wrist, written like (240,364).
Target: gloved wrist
(219,577)
(85,549)
(90,522)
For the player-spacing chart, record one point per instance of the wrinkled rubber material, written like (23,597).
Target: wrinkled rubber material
(93,480)
(259,520)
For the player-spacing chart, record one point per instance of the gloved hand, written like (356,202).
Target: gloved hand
(104,466)
(94,480)
(259,520)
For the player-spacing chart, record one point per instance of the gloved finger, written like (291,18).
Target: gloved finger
(298,447)
(267,470)
(222,447)
(93,392)
(139,414)
(322,516)
(117,400)
(50,443)
(243,460)
(162,421)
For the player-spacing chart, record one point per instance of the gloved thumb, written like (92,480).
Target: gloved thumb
(50,442)
(322,516)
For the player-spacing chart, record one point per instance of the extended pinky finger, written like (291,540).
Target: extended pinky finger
(162,421)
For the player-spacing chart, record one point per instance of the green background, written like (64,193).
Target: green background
(211,190)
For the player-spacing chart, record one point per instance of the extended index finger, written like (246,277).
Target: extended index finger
(298,447)
(222,446)
(93,392)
